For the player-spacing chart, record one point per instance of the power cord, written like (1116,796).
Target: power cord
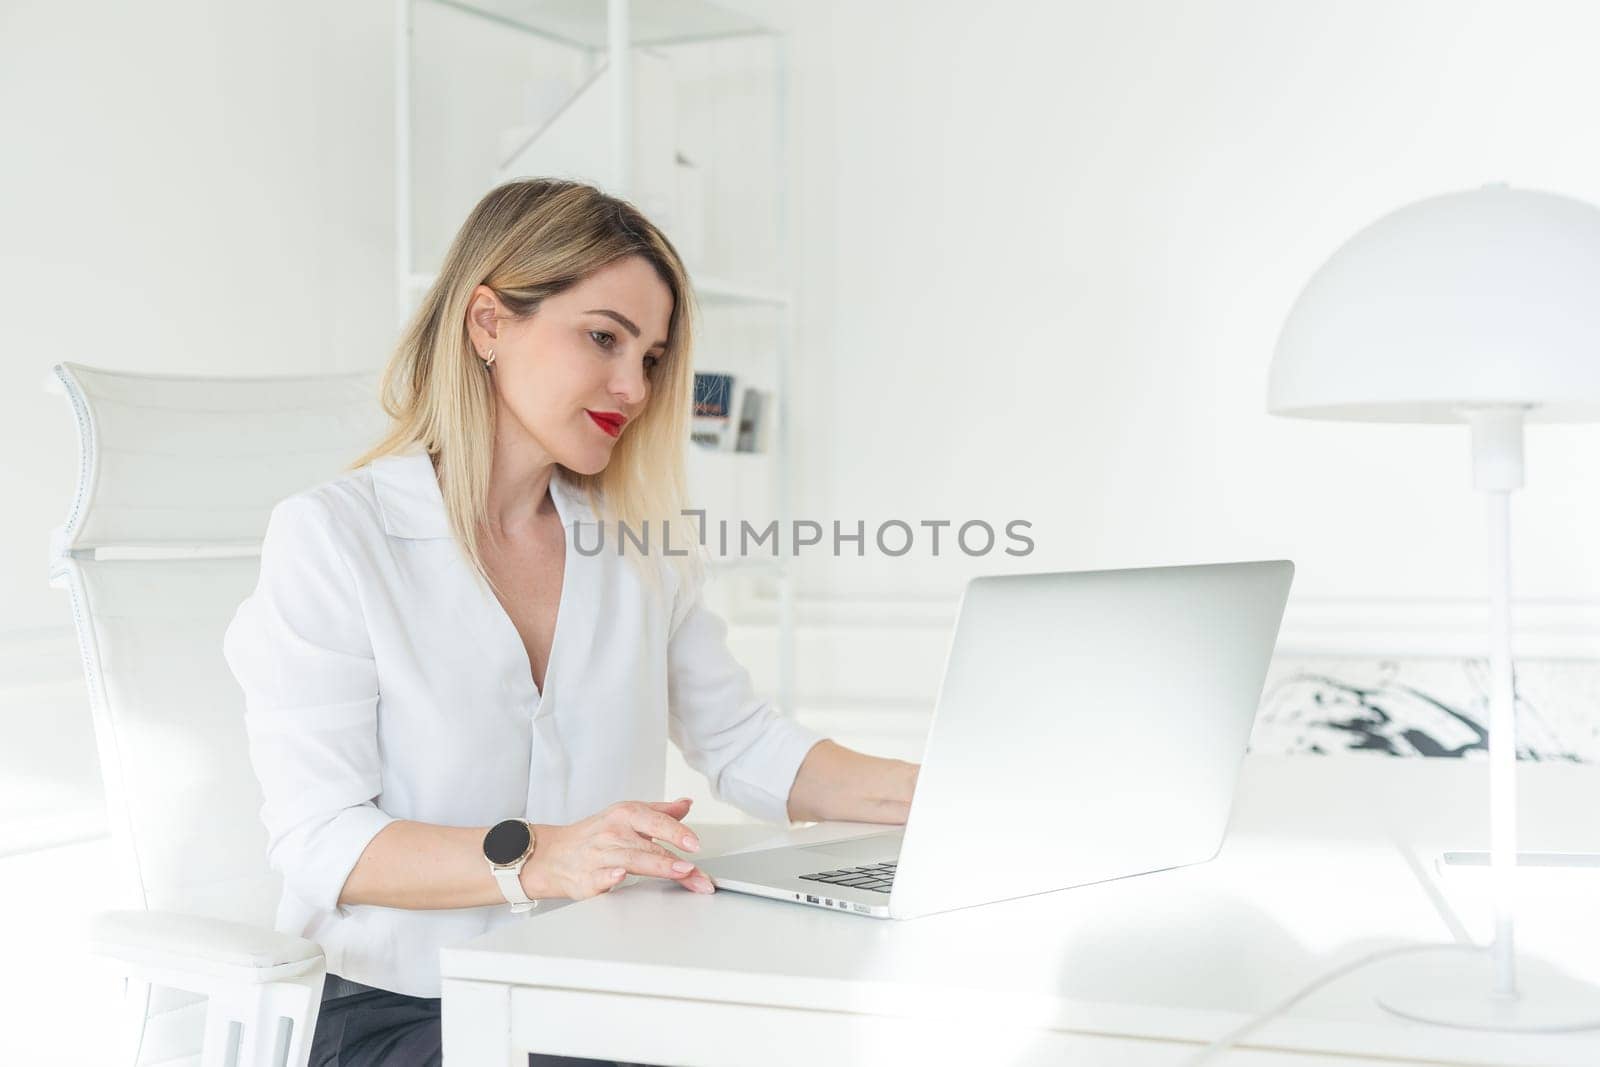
(1234,1036)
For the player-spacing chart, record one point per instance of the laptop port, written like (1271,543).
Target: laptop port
(812,900)
(862,908)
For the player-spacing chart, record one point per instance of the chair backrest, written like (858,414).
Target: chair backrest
(176,480)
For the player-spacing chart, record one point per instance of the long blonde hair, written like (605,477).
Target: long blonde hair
(527,240)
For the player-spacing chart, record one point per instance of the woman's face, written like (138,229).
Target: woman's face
(573,376)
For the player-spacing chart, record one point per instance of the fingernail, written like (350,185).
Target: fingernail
(691,841)
(683,866)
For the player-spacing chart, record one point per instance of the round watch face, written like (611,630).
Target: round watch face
(506,841)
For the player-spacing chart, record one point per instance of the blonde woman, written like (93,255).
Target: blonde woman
(455,709)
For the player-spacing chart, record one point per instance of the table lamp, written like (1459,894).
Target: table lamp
(1480,307)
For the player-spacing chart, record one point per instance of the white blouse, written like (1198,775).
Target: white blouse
(384,681)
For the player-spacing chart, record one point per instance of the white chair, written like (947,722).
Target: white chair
(176,479)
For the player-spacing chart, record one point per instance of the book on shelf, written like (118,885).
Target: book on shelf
(749,421)
(729,417)
(713,410)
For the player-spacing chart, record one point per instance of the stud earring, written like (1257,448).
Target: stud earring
(488,361)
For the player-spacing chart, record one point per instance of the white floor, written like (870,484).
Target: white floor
(58,1010)
(55,1009)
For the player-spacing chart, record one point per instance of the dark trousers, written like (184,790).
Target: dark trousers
(360,1026)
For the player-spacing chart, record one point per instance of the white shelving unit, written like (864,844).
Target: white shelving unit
(608,36)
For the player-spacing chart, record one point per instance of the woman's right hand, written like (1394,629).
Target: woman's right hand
(591,856)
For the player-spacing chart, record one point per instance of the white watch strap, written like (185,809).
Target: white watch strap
(511,886)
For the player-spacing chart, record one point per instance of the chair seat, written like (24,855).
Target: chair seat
(154,934)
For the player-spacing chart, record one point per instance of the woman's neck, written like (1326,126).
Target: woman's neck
(519,480)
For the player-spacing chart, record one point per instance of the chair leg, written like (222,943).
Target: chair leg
(300,999)
(220,1047)
(133,1018)
(267,1025)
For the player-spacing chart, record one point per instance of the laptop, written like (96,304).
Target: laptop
(1090,725)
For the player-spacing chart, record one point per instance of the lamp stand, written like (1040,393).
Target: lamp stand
(1486,995)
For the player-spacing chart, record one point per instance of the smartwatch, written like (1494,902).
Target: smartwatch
(507,846)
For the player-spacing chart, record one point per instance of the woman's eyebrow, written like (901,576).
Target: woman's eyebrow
(625,322)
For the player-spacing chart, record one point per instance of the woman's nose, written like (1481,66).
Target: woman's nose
(629,386)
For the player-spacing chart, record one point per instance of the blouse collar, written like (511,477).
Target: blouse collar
(412,505)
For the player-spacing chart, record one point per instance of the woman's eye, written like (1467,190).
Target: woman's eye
(597,334)
(651,362)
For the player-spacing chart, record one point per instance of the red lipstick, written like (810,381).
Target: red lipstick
(609,421)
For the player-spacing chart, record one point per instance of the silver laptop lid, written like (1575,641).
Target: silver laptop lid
(1089,726)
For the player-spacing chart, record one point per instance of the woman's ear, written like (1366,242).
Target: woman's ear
(483,312)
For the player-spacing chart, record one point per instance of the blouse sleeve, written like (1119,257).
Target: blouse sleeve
(747,748)
(300,650)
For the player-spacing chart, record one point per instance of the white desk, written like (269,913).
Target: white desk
(1327,859)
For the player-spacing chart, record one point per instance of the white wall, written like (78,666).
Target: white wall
(207,187)
(1048,247)
(186,187)
(1045,250)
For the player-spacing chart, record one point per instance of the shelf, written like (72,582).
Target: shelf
(711,290)
(733,488)
(582,23)
(774,564)
(724,455)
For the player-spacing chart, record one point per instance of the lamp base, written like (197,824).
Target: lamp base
(1459,994)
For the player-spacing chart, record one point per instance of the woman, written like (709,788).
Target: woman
(425,657)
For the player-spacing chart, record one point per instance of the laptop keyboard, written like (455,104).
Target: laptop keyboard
(877,877)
